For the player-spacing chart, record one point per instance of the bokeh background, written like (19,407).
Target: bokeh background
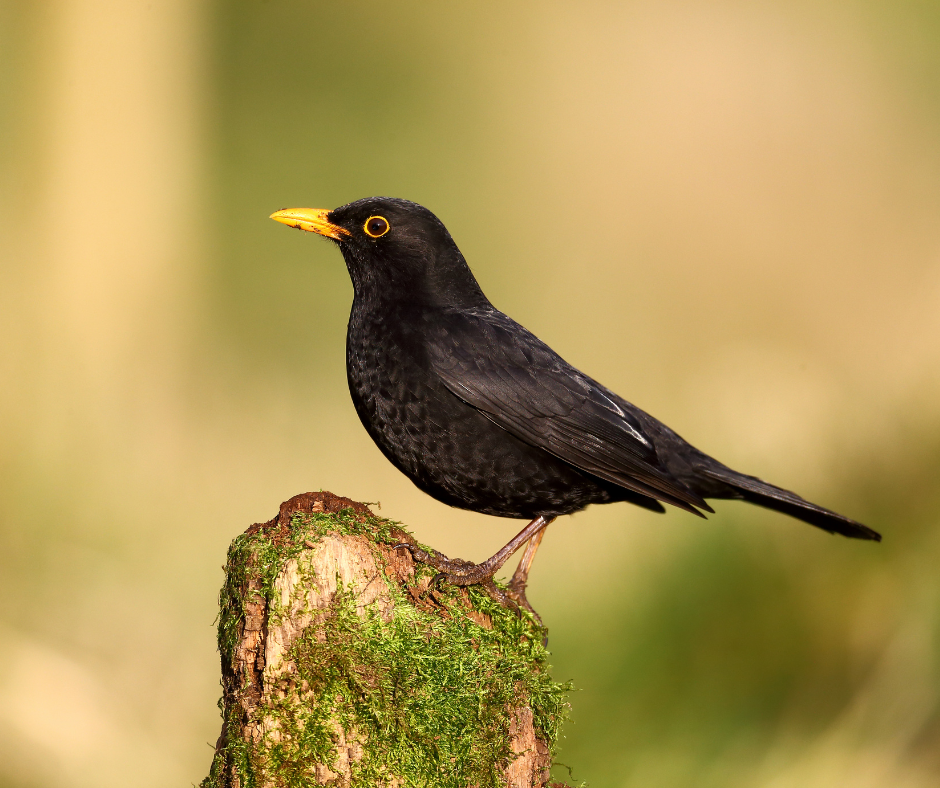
(726,211)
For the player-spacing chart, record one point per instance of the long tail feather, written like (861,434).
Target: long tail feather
(756,491)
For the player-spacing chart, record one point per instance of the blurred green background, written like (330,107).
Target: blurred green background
(725,211)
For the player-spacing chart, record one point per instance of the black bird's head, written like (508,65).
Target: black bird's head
(394,249)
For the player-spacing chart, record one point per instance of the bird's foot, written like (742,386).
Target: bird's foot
(516,595)
(455,571)
(520,578)
(468,574)
(465,573)
(458,572)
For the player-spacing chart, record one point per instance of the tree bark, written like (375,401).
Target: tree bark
(341,668)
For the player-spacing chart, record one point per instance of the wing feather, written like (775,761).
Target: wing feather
(492,363)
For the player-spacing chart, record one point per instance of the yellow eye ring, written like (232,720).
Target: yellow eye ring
(376,226)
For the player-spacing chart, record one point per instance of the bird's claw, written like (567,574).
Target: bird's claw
(408,547)
(458,572)
(419,555)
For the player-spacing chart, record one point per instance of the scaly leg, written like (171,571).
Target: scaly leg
(466,573)
(520,577)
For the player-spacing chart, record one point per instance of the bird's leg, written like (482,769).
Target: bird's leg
(465,573)
(520,577)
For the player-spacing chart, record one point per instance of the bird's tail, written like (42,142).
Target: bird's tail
(756,491)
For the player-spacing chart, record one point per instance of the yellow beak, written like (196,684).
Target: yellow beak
(313,220)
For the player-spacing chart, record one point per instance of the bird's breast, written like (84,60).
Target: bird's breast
(391,389)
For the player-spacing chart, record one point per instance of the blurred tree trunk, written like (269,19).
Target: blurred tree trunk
(340,668)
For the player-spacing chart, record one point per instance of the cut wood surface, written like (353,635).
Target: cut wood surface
(340,667)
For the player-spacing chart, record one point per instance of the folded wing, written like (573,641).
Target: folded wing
(492,363)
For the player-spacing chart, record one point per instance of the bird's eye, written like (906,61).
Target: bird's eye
(375,226)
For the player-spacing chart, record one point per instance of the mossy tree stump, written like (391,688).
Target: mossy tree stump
(340,667)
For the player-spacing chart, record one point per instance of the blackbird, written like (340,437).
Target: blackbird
(482,415)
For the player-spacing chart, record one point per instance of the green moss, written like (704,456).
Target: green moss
(258,557)
(429,694)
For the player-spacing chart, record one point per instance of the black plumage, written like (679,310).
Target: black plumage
(482,415)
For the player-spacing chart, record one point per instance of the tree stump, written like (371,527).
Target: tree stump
(341,668)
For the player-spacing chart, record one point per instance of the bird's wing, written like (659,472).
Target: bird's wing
(494,364)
